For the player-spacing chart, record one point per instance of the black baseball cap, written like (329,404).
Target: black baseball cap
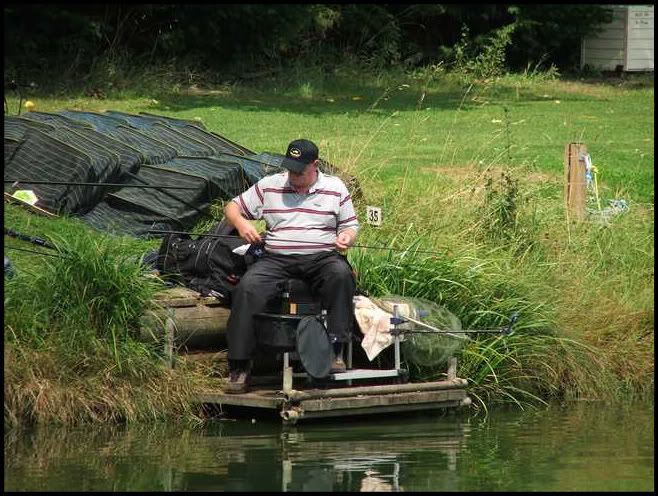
(300,153)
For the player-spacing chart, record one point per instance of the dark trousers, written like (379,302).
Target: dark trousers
(328,274)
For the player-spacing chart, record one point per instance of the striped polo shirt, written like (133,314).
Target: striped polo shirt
(299,224)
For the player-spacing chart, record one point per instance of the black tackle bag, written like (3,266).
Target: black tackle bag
(206,264)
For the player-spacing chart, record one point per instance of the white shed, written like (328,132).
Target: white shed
(626,42)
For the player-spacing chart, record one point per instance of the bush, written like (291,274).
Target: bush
(482,59)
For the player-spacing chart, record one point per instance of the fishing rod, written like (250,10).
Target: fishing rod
(15,182)
(159,231)
(34,251)
(505,331)
(24,237)
(34,240)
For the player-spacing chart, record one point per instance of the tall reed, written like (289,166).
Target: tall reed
(529,367)
(71,348)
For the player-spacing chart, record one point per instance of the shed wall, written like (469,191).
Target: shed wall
(607,49)
(639,52)
(627,41)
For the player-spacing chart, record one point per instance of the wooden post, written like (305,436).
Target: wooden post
(170,330)
(452,368)
(575,181)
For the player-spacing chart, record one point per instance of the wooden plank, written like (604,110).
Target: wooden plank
(371,401)
(332,407)
(184,297)
(452,368)
(339,406)
(297,395)
(191,302)
(201,318)
(259,399)
(169,343)
(199,321)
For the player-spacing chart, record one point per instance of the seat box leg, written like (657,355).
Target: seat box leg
(287,373)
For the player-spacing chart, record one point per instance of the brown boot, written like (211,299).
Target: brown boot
(238,381)
(337,362)
(337,366)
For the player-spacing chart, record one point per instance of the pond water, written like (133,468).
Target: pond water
(578,447)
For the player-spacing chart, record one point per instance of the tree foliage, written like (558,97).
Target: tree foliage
(71,38)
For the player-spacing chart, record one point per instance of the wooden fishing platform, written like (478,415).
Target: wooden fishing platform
(186,318)
(297,405)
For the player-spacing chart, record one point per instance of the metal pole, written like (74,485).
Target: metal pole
(396,315)
(287,374)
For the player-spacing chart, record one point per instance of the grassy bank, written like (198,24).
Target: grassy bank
(72,318)
(471,171)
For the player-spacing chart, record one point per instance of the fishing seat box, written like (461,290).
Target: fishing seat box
(277,326)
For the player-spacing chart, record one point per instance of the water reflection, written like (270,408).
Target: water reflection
(235,456)
(589,448)
(367,456)
(343,456)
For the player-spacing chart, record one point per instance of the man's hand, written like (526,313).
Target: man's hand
(245,228)
(249,233)
(345,239)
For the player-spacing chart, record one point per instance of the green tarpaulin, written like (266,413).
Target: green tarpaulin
(127,149)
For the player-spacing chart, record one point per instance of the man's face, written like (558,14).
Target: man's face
(305,178)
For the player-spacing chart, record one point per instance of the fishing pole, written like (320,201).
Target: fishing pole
(33,251)
(24,237)
(505,331)
(159,231)
(15,182)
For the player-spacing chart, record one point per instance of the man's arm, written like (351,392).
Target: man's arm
(246,229)
(348,224)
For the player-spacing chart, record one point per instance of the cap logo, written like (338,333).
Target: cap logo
(294,152)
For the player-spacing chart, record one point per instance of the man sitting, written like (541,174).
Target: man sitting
(310,224)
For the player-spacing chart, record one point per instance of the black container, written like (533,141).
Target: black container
(277,331)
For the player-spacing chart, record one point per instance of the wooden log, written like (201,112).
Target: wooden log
(198,322)
(575,180)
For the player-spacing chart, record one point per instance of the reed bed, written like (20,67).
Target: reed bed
(72,352)
(575,339)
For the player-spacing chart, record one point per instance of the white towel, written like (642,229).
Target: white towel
(375,325)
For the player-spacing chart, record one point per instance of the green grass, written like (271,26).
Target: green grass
(447,127)
(434,154)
